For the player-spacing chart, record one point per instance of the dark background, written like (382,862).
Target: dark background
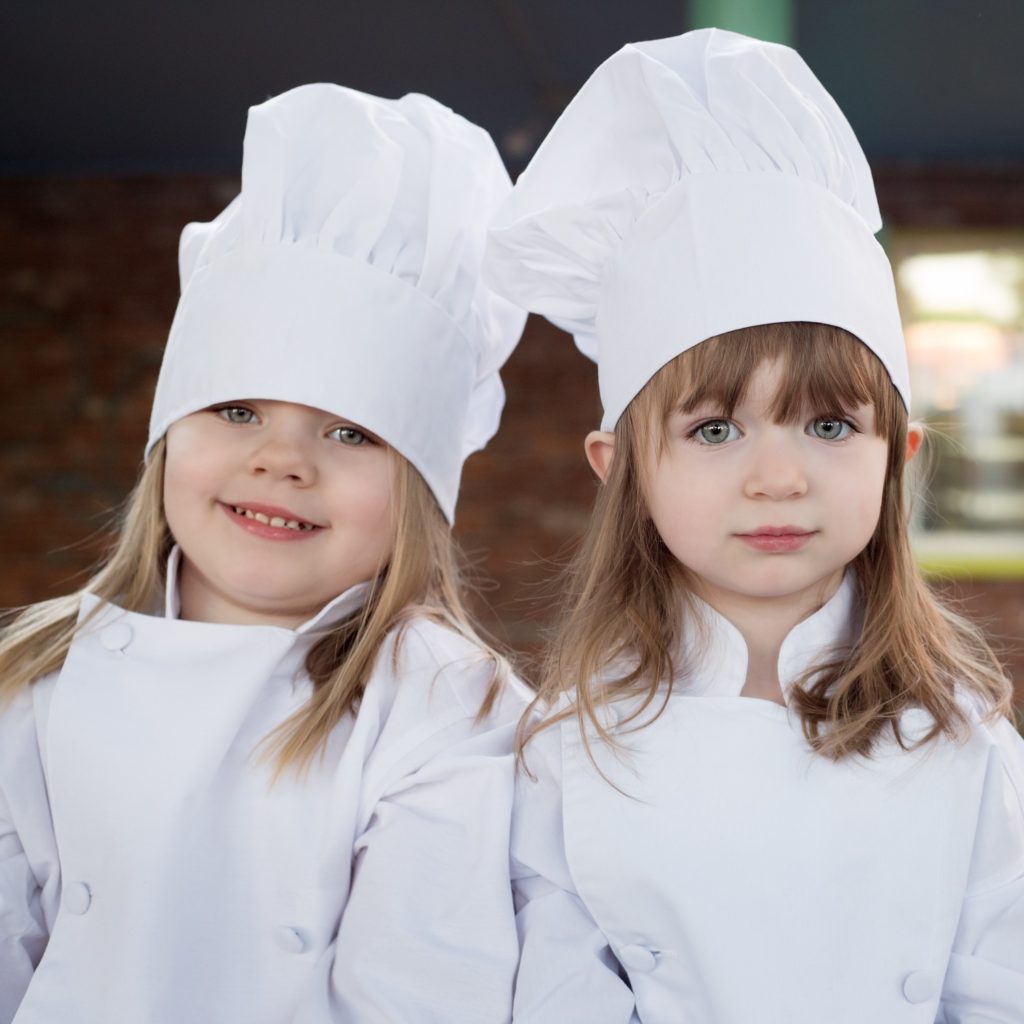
(123,121)
(122,87)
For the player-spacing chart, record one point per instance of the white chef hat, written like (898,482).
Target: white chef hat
(694,186)
(346,276)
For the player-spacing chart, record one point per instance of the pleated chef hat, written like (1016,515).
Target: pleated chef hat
(694,186)
(346,276)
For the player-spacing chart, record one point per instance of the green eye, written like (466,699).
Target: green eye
(236,414)
(830,428)
(349,436)
(716,432)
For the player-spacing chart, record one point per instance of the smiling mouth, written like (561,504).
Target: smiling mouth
(278,522)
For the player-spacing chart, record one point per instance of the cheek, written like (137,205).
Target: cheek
(682,513)
(683,492)
(178,484)
(191,476)
(858,495)
(365,499)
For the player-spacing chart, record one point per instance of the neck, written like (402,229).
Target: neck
(200,602)
(764,623)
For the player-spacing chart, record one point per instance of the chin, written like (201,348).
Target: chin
(787,584)
(270,595)
(772,581)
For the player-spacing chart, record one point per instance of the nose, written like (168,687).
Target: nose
(777,471)
(284,456)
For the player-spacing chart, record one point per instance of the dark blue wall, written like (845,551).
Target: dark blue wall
(136,86)
(922,79)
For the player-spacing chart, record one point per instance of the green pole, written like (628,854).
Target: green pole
(764,19)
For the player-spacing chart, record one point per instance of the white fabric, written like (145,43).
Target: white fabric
(696,185)
(739,877)
(346,276)
(375,889)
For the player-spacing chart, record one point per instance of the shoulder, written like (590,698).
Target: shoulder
(426,703)
(996,738)
(538,830)
(990,735)
(998,749)
(428,664)
(541,760)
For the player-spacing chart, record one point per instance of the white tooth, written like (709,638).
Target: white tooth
(277,521)
(249,514)
(292,524)
(261,518)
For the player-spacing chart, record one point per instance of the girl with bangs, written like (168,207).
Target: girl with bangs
(768,776)
(261,768)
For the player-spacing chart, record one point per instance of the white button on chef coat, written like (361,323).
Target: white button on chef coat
(789,887)
(637,958)
(290,939)
(116,637)
(226,897)
(920,986)
(77,897)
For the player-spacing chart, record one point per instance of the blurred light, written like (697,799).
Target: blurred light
(957,348)
(519,143)
(973,284)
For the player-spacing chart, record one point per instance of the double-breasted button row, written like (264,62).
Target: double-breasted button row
(918,986)
(77,899)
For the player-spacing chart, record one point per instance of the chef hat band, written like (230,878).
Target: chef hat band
(346,276)
(694,186)
(700,232)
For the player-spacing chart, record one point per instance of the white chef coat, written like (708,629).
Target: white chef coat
(739,878)
(150,874)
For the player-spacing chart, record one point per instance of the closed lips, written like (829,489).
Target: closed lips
(777,531)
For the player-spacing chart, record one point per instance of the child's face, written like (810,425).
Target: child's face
(758,509)
(286,464)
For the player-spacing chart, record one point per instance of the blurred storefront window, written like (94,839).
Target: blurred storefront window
(962,300)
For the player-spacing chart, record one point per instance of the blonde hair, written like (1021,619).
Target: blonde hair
(627,595)
(422,577)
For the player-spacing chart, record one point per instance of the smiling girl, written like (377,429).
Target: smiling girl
(769,777)
(260,768)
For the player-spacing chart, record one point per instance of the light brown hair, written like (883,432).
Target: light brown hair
(422,577)
(627,594)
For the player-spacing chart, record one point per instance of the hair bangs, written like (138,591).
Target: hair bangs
(825,371)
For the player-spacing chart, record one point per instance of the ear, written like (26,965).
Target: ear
(915,438)
(600,449)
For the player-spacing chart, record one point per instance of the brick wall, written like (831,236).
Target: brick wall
(88,283)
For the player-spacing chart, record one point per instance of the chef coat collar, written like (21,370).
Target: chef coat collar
(718,653)
(332,613)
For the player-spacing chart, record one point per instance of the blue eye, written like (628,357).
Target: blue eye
(715,432)
(830,428)
(349,436)
(236,414)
